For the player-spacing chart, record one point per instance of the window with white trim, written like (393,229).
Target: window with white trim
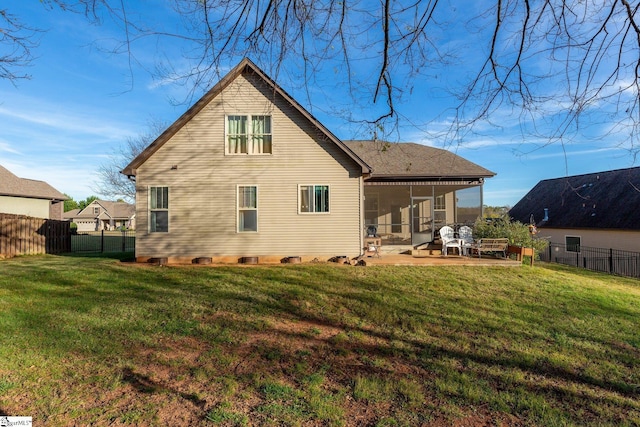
(247,208)
(572,243)
(313,199)
(248,134)
(159,209)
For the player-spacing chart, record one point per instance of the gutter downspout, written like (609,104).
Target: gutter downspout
(361,221)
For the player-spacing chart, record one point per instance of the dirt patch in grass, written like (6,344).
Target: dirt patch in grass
(188,381)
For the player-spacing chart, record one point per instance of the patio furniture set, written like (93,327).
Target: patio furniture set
(467,246)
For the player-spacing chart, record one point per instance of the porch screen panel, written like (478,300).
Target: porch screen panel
(469,205)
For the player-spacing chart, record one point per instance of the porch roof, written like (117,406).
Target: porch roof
(411,162)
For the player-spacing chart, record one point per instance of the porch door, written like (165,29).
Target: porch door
(421,220)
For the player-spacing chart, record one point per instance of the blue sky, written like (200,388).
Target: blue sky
(82,104)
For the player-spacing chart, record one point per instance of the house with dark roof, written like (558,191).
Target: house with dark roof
(103,215)
(247,171)
(600,210)
(21,196)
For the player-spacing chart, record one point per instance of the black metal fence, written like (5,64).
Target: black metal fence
(612,261)
(104,241)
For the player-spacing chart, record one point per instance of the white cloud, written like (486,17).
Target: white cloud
(89,122)
(73,179)
(7,148)
(568,153)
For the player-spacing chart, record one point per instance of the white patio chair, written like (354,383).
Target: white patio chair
(448,240)
(466,239)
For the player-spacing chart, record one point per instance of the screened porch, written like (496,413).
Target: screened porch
(411,214)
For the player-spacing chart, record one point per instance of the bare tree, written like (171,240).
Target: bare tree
(550,64)
(17,41)
(557,64)
(113,185)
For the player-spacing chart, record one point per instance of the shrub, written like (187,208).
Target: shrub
(517,232)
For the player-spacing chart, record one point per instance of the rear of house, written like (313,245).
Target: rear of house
(247,172)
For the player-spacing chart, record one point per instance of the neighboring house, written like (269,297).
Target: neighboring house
(600,210)
(29,197)
(103,215)
(247,171)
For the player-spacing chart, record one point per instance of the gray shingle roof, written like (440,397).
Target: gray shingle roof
(11,185)
(71,214)
(608,200)
(414,161)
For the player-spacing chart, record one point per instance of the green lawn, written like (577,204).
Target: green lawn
(89,340)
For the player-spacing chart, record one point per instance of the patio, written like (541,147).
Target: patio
(391,256)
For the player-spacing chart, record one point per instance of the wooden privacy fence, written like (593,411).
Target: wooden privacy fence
(23,235)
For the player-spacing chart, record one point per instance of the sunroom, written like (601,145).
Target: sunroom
(414,190)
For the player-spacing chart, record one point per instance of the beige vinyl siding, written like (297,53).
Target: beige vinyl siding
(37,208)
(625,240)
(203,182)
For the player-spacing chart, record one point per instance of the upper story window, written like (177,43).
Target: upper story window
(249,134)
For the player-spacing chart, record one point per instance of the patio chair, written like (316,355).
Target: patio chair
(448,240)
(466,239)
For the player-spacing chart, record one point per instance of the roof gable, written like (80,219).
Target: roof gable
(11,185)
(415,161)
(245,66)
(116,210)
(608,200)
(71,214)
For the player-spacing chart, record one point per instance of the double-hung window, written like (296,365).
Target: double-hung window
(159,209)
(249,134)
(313,199)
(247,208)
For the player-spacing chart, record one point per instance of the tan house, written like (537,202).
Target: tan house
(103,215)
(20,196)
(596,210)
(248,172)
